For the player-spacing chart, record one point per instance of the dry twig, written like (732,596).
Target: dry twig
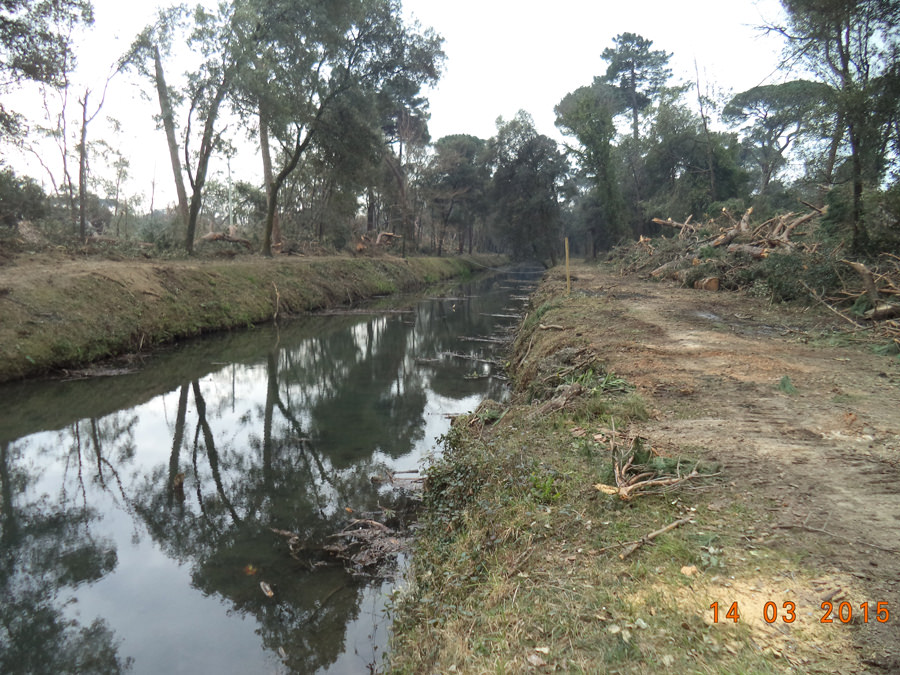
(646,539)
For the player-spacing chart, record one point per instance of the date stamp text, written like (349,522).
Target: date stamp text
(786,612)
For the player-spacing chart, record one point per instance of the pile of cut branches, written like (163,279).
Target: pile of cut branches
(880,292)
(724,253)
(638,469)
(739,237)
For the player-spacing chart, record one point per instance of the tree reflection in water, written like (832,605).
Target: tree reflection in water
(45,547)
(285,439)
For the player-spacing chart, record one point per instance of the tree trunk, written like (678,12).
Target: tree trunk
(207,145)
(445,223)
(833,148)
(272,206)
(710,163)
(634,105)
(396,166)
(168,117)
(370,210)
(177,441)
(82,170)
(268,175)
(859,233)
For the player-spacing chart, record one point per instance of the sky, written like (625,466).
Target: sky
(502,56)
(507,55)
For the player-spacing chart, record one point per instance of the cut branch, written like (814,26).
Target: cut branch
(634,546)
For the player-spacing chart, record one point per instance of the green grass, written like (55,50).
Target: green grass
(145,303)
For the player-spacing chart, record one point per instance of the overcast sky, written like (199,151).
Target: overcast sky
(507,55)
(502,56)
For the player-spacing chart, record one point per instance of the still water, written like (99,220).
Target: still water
(106,567)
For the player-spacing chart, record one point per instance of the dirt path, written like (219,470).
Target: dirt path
(823,462)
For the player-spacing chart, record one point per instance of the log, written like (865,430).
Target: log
(883,312)
(707,284)
(664,269)
(671,223)
(757,252)
(744,225)
(726,238)
(221,236)
(799,221)
(868,280)
(386,237)
(821,211)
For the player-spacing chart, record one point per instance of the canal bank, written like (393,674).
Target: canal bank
(59,312)
(653,498)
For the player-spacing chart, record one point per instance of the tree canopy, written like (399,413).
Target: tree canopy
(35,45)
(333,98)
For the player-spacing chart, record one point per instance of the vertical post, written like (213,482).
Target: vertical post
(568,279)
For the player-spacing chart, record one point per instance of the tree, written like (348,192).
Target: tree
(223,40)
(637,71)
(455,179)
(83,154)
(20,199)
(587,115)
(405,131)
(775,117)
(317,54)
(679,160)
(853,46)
(525,187)
(35,46)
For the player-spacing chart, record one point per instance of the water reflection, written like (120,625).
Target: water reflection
(138,511)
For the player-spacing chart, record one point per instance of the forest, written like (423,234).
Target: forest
(331,96)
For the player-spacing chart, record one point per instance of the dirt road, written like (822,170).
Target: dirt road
(807,432)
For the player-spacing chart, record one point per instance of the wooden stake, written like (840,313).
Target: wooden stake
(568,278)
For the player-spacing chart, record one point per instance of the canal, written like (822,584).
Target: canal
(162,520)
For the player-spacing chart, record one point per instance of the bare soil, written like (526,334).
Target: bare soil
(822,464)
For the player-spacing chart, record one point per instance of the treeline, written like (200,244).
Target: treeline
(331,95)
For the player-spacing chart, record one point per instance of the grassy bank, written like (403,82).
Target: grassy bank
(530,559)
(56,312)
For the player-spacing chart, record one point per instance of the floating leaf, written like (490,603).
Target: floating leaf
(267,589)
(250,570)
(348,509)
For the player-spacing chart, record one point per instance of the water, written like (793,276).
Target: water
(106,567)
